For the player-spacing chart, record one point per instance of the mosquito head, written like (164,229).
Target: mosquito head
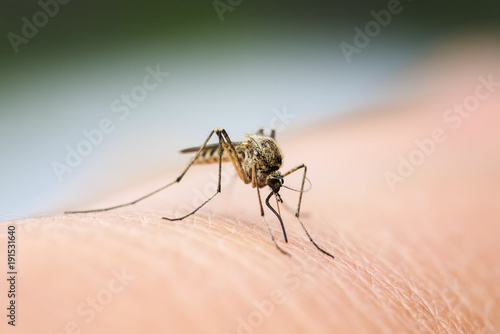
(275,181)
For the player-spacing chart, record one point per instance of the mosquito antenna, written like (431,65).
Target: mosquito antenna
(298,190)
(277,215)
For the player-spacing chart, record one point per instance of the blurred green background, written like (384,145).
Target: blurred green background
(232,64)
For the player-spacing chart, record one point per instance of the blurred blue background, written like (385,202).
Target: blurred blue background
(70,67)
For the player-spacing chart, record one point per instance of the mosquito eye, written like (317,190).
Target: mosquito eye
(274,183)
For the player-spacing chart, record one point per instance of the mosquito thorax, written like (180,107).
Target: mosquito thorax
(262,155)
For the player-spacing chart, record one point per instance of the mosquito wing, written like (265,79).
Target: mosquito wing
(197,148)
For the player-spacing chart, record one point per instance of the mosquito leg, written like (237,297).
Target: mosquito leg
(233,156)
(263,217)
(297,213)
(157,190)
(221,140)
(272,238)
(311,240)
(125,204)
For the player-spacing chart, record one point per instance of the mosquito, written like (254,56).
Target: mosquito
(256,160)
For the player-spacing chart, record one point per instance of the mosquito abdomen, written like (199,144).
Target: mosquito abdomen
(210,156)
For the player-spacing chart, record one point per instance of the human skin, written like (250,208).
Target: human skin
(422,258)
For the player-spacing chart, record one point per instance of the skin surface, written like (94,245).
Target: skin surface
(422,258)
